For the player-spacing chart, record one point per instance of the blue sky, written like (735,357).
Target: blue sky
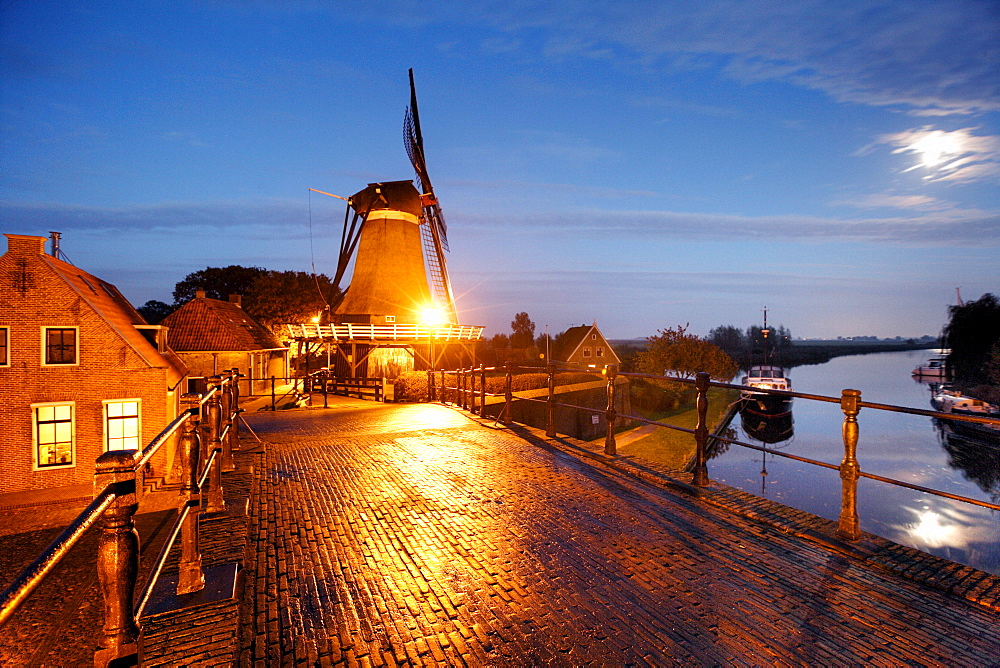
(644,164)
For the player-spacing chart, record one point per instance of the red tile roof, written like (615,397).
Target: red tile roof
(205,325)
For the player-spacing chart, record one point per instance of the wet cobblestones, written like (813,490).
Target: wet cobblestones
(410,534)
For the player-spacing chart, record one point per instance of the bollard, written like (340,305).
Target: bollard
(234,433)
(472,390)
(460,379)
(444,392)
(430,384)
(326,382)
(701,381)
(550,405)
(118,559)
(216,501)
(508,394)
(190,577)
(610,448)
(849,527)
(273,396)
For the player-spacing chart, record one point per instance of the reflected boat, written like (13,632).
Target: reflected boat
(769,429)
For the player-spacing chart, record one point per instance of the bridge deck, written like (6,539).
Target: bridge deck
(388,534)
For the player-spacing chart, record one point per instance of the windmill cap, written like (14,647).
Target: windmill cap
(392,195)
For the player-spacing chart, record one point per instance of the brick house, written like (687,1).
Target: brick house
(584,345)
(80,373)
(212,335)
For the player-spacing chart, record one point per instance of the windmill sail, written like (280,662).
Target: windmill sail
(434,233)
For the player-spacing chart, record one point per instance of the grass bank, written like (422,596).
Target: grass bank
(669,446)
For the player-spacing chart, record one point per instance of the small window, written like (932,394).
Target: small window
(390,318)
(586,351)
(600,351)
(53,435)
(4,346)
(593,337)
(60,345)
(121,425)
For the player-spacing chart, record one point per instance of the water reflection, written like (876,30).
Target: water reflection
(979,461)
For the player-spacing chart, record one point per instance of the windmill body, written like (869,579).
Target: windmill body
(389,284)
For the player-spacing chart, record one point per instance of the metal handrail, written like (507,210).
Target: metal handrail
(32,576)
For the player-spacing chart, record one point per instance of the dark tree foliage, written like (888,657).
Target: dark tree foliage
(155,311)
(523,331)
(217,282)
(682,354)
(279,297)
(973,335)
(729,338)
(778,338)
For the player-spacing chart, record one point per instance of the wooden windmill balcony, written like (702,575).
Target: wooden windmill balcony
(400,333)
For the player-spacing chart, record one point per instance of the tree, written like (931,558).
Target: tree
(972,333)
(155,311)
(729,338)
(685,355)
(218,283)
(523,331)
(279,297)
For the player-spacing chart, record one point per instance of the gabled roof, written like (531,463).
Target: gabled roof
(574,337)
(205,324)
(106,301)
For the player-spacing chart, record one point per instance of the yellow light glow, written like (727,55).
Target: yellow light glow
(432,316)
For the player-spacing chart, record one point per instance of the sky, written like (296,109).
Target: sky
(642,164)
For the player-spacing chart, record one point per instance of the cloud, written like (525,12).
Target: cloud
(278,219)
(890,201)
(957,156)
(929,58)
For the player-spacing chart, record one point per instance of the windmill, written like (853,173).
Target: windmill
(399,304)
(397,238)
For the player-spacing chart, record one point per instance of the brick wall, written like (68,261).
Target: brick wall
(33,296)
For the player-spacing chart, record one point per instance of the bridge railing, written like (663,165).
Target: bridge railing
(464,393)
(118,487)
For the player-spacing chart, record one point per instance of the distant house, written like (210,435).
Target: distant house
(80,373)
(212,335)
(584,345)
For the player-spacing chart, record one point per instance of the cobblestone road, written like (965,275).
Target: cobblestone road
(410,534)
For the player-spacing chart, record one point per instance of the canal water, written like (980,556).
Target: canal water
(909,448)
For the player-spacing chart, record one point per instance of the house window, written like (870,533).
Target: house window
(586,351)
(600,351)
(53,435)
(593,337)
(390,318)
(60,345)
(121,425)
(4,346)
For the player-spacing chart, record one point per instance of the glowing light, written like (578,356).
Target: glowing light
(936,147)
(931,531)
(432,316)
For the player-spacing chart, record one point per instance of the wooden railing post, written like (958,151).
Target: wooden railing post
(228,423)
(274,396)
(234,433)
(326,382)
(462,379)
(472,389)
(508,394)
(701,381)
(610,447)
(849,527)
(216,500)
(444,389)
(550,404)
(482,389)
(190,577)
(118,559)
(430,385)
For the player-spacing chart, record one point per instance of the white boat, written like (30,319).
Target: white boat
(766,377)
(934,369)
(956,403)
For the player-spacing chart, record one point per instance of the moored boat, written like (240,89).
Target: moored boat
(950,401)
(934,369)
(766,377)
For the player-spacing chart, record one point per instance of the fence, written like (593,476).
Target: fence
(466,395)
(118,487)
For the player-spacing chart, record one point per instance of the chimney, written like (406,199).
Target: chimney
(21,244)
(199,294)
(236,299)
(55,236)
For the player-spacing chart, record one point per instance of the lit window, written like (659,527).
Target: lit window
(121,425)
(53,435)
(586,351)
(60,345)
(4,346)
(390,318)
(600,351)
